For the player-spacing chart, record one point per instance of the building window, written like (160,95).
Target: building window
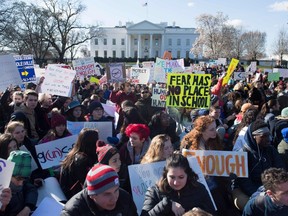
(96,53)
(187,54)
(187,42)
(113,41)
(178,54)
(135,54)
(96,41)
(122,54)
(122,41)
(170,41)
(105,41)
(105,53)
(114,53)
(178,42)
(146,42)
(135,42)
(156,42)
(156,53)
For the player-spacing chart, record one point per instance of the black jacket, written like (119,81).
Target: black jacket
(81,204)
(157,203)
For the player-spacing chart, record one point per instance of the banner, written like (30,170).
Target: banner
(140,75)
(85,67)
(143,176)
(158,97)
(104,128)
(9,72)
(25,66)
(220,163)
(164,67)
(189,90)
(115,72)
(233,64)
(58,81)
(52,153)
(273,76)
(6,171)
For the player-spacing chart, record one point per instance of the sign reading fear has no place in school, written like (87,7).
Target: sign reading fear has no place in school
(189,90)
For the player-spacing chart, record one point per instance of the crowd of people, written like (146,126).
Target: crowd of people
(248,115)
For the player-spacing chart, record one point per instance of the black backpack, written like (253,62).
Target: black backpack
(276,125)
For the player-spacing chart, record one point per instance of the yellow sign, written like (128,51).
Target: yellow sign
(188,90)
(231,68)
(94,80)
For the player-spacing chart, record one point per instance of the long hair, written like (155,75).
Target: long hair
(267,108)
(177,161)
(192,139)
(155,150)
(86,144)
(5,139)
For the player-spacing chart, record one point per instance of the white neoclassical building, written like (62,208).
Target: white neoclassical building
(144,40)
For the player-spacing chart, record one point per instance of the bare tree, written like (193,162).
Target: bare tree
(237,50)
(280,46)
(254,44)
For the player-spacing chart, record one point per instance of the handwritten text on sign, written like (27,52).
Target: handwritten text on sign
(158,97)
(140,75)
(52,153)
(189,90)
(6,170)
(220,163)
(84,67)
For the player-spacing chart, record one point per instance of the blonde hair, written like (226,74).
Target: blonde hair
(155,150)
(11,126)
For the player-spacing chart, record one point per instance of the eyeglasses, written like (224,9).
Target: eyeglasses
(144,92)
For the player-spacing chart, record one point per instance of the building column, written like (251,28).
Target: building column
(151,46)
(162,45)
(139,46)
(128,45)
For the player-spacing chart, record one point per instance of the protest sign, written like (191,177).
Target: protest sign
(150,66)
(140,75)
(52,153)
(54,207)
(273,76)
(25,66)
(143,176)
(222,61)
(58,81)
(6,171)
(239,75)
(283,72)
(85,67)
(115,72)
(220,163)
(104,128)
(231,68)
(9,72)
(158,97)
(163,66)
(189,90)
(94,80)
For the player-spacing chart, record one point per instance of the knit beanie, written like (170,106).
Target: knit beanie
(94,105)
(101,178)
(57,120)
(105,152)
(22,162)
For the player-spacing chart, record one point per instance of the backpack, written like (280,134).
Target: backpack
(276,125)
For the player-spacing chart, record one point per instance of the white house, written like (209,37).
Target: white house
(144,40)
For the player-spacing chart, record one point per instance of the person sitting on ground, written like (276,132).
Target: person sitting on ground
(7,144)
(75,112)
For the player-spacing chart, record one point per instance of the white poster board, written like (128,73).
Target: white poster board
(150,66)
(52,153)
(283,72)
(220,163)
(221,61)
(48,207)
(104,128)
(85,67)
(140,75)
(143,176)
(6,171)
(239,75)
(58,81)
(158,97)
(9,72)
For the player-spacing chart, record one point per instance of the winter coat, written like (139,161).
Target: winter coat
(157,203)
(82,204)
(145,108)
(120,96)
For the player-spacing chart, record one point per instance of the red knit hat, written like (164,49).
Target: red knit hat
(101,178)
(105,152)
(57,120)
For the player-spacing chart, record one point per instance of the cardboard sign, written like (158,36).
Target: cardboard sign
(143,176)
(85,67)
(52,153)
(6,171)
(158,97)
(233,64)
(104,128)
(164,67)
(25,65)
(273,76)
(140,75)
(58,81)
(9,72)
(220,163)
(115,72)
(189,90)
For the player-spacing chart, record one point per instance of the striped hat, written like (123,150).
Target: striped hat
(22,162)
(101,178)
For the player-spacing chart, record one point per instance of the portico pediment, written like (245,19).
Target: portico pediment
(145,26)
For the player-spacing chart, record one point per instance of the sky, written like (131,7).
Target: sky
(263,15)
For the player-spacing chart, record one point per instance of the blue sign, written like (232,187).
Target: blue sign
(25,67)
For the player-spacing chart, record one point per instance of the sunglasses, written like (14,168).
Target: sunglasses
(144,92)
